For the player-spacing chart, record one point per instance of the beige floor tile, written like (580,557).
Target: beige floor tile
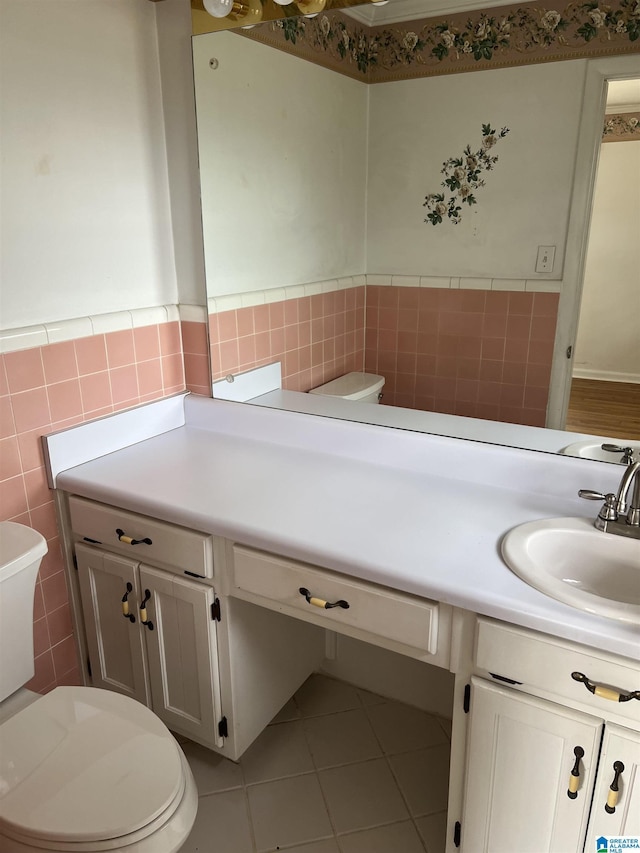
(322,695)
(287,812)
(343,738)
(211,771)
(281,750)
(275,799)
(433,830)
(397,838)
(423,777)
(363,795)
(222,817)
(401,728)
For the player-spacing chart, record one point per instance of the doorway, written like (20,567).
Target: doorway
(605,385)
(590,391)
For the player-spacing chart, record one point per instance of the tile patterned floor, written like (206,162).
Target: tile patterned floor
(339,770)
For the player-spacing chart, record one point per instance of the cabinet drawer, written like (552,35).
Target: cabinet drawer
(544,663)
(374,612)
(176,548)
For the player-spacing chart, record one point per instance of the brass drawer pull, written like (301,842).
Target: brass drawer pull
(143,611)
(574,777)
(125,604)
(604,692)
(614,788)
(320,602)
(129,541)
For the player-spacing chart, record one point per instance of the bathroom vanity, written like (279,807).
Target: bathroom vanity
(209,562)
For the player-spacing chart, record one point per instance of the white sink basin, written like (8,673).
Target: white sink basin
(571,561)
(592,449)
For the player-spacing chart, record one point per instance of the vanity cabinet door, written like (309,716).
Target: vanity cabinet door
(182,654)
(116,645)
(519,762)
(623,817)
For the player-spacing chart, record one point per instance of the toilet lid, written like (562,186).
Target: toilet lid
(82,764)
(351,386)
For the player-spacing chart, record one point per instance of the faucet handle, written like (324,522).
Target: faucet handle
(627,458)
(608,511)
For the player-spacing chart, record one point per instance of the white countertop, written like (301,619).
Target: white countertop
(414,512)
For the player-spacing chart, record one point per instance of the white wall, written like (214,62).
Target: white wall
(85,210)
(283,169)
(173,19)
(416,125)
(608,341)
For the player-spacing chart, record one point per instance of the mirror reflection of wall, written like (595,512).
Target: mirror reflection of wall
(605,393)
(455,316)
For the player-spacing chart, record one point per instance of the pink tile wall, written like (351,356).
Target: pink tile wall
(53,387)
(316,338)
(195,348)
(476,353)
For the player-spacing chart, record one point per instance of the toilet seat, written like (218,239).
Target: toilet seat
(89,770)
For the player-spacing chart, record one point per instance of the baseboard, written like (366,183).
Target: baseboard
(605,375)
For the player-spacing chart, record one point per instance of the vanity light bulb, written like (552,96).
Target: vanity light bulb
(283,2)
(218,8)
(249,11)
(311,8)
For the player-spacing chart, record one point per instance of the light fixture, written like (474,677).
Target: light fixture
(283,2)
(379,2)
(238,10)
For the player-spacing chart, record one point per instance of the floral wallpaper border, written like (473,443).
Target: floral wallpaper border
(490,38)
(623,127)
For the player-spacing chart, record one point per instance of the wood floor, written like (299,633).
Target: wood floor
(604,408)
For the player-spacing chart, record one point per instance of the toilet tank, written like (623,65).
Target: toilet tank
(363,387)
(21,551)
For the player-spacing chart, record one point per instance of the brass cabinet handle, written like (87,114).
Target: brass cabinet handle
(320,602)
(604,692)
(122,537)
(125,604)
(614,788)
(574,776)
(143,611)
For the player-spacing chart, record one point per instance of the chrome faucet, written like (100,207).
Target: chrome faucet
(620,514)
(629,455)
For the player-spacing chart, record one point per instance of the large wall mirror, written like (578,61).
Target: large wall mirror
(367,209)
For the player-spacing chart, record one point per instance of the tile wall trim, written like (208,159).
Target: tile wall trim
(13,340)
(232,302)
(455,283)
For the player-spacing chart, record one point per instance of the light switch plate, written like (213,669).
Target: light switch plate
(546,256)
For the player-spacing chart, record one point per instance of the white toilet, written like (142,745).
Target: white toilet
(81,769)
(363,387)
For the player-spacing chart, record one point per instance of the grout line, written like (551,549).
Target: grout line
(317,774)
(395,779)
(247,806)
